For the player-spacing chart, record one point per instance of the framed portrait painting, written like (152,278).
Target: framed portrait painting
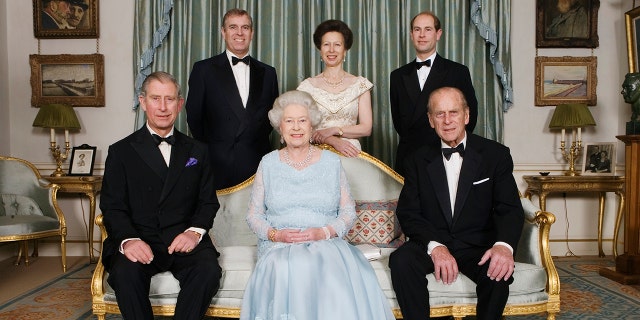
(567,23)
(76,80)
(632,22)
(56,19)
(598,158)
(82,160)
(565,80)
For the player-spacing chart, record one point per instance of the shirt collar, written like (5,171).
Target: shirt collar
(153,132)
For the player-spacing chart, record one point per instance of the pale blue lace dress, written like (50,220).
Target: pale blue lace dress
(326,279)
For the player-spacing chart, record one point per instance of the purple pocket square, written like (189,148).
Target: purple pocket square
(191,162)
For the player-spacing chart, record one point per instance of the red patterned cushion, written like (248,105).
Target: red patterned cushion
(376,224)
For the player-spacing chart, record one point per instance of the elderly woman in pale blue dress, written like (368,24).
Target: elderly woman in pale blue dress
(300,209)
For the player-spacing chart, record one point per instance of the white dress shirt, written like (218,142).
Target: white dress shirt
(423,72)
(242,76)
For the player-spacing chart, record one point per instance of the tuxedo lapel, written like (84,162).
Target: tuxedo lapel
(179,157)
(468,172)
(148,151)
(256,77)
(417,98)
(228,83)
(438,174)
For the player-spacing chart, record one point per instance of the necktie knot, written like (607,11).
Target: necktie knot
(235,60)
(170,139)
(426,63)
(447,152)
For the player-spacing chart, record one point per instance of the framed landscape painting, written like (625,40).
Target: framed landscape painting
(565,80)
(76,80)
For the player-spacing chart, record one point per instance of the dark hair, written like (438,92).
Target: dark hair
(237,12)
(162,77)
(436,21)
(333,26)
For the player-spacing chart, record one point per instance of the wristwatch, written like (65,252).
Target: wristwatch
(340,133)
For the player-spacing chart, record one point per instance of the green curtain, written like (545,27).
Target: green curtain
(475,33)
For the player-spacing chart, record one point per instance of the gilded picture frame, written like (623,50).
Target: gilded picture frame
(632,23)
(76,80)
(82,160)
(73,19)
(599,158)
(565,80)
(562,24)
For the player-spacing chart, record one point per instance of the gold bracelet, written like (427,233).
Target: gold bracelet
(272,235)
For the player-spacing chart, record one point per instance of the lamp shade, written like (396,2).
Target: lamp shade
(55,115)
(574,115)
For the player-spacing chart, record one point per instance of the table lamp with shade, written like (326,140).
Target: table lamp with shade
(57,116)
(572,116)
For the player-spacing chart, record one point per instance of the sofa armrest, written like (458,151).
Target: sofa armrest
(545,220)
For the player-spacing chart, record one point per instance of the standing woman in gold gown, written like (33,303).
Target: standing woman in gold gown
(344,99)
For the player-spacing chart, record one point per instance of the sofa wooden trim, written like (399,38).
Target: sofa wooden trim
(543,220)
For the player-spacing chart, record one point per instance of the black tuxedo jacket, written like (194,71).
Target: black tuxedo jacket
(237,137)
(143,198)
(487,207)
(409,103)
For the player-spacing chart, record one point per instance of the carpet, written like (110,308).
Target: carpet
(583,293)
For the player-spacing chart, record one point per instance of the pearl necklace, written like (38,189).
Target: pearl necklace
(298,165)
(332,84)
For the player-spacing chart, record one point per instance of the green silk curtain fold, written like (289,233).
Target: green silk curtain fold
(282,38)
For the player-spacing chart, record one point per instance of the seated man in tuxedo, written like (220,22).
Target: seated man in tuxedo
(461,211)
(158,202)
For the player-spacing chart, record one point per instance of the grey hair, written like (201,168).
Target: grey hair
(163,77)
(294,97)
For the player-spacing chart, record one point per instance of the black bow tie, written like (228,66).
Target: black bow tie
(170,139)
(235,60)
(447,152)
(423,63)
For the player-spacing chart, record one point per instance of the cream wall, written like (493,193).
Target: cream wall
(533,146)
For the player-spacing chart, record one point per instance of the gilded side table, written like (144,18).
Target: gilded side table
(87,185)
(544,185)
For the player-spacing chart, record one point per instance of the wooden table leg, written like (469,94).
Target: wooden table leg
(619,216)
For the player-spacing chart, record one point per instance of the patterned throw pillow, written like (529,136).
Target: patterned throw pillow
(376,224)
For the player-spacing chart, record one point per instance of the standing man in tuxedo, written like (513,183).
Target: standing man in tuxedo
(229,97)
(461,211)
(158,202)
(411,84)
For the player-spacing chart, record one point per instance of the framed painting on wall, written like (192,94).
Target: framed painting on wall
(599,158)
(55,19)
(567,23)
(76,80)
(632,22)
(565,80)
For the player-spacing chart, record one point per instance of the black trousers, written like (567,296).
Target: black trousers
(410,265)
(198,273)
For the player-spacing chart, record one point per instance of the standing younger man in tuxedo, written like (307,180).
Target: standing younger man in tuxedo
(461,211)
(158,202)
(411,84)
(229,97)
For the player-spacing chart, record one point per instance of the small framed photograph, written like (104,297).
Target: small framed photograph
(632,22)
(598,158)
(76,80)
(82,160)
(567,23)
(565,80)
(65,19)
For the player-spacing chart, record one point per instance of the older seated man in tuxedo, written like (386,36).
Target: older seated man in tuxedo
(461,212)
(158,202)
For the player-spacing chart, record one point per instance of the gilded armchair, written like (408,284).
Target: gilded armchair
(28,207)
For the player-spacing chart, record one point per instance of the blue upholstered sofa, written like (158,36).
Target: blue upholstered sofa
(536,288)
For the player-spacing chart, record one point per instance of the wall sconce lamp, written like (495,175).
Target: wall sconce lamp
(571,116)
(57,116)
